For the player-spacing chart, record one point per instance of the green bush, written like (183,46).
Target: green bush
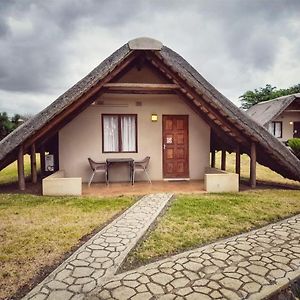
(295,146)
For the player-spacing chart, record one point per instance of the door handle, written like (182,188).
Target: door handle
(164,146)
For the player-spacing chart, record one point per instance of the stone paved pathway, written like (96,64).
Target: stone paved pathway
(248,266)
(101,256)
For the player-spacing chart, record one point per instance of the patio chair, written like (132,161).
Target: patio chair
(97,167)
(141,166)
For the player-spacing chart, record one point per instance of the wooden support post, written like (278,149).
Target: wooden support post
(21,174)
(213,159)
(223,160)
(42,160)
(253,165)
(33,164)
(238,161)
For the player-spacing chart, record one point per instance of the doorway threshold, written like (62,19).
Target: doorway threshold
(177,179)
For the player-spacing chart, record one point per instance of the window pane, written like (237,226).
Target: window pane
(271,127)
(111,134)
(128,132)
(277,130)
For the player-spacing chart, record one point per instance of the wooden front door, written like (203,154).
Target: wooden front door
(175,146)
(296,130)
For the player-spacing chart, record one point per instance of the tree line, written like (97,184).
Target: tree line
(266,93)
(8,124)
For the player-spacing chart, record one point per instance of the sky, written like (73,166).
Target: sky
(237,45)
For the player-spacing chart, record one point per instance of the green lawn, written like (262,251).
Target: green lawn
(193,220)
(10,174)
(263,174)
(36,231)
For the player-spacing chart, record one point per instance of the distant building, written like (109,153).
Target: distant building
(281,116)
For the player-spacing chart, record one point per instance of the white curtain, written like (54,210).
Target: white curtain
(128,132)
(277,130)
(111,133)
(271,128)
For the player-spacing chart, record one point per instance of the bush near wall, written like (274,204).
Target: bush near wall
(294,144)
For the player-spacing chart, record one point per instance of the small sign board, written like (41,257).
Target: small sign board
(49,163)
(169,140)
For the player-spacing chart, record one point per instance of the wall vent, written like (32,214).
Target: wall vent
(110,104)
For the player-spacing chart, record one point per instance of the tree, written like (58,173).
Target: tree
(7,125)
(15,120)
(266,93)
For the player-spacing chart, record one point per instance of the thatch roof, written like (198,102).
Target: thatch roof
(266,111)
(270,152)
(31,126)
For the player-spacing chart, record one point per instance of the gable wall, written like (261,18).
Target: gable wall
(147,74)
(82,137)
(287,128)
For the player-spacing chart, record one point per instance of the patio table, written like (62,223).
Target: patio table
(128,161)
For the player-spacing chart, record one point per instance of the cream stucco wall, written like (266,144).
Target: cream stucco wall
(58,185)
(82,137)
(287,128)
(218,181)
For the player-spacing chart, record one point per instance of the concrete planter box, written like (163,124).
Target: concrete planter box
(58,185)
(218,181)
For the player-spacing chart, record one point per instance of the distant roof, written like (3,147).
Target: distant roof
(211,105)
(266,111)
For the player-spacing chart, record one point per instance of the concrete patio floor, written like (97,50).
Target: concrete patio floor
(142,188)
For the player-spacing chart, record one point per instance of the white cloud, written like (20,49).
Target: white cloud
(23,103)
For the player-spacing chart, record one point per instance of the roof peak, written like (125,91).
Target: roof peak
(296,95)
(145,43)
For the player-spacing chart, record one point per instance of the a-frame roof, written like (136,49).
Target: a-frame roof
(229,124)
(266,111)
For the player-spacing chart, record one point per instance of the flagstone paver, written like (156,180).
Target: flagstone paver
(101,256)
(248,266)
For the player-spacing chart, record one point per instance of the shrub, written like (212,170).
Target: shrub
(295,146)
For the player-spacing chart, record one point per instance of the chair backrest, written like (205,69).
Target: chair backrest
(92,164)
(144,163)
(95,165)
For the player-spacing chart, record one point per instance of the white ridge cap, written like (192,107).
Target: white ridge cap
(145,43)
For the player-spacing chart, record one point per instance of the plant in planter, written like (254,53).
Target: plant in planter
(294,144)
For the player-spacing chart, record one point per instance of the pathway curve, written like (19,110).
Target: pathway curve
(101,256)
(248,266)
